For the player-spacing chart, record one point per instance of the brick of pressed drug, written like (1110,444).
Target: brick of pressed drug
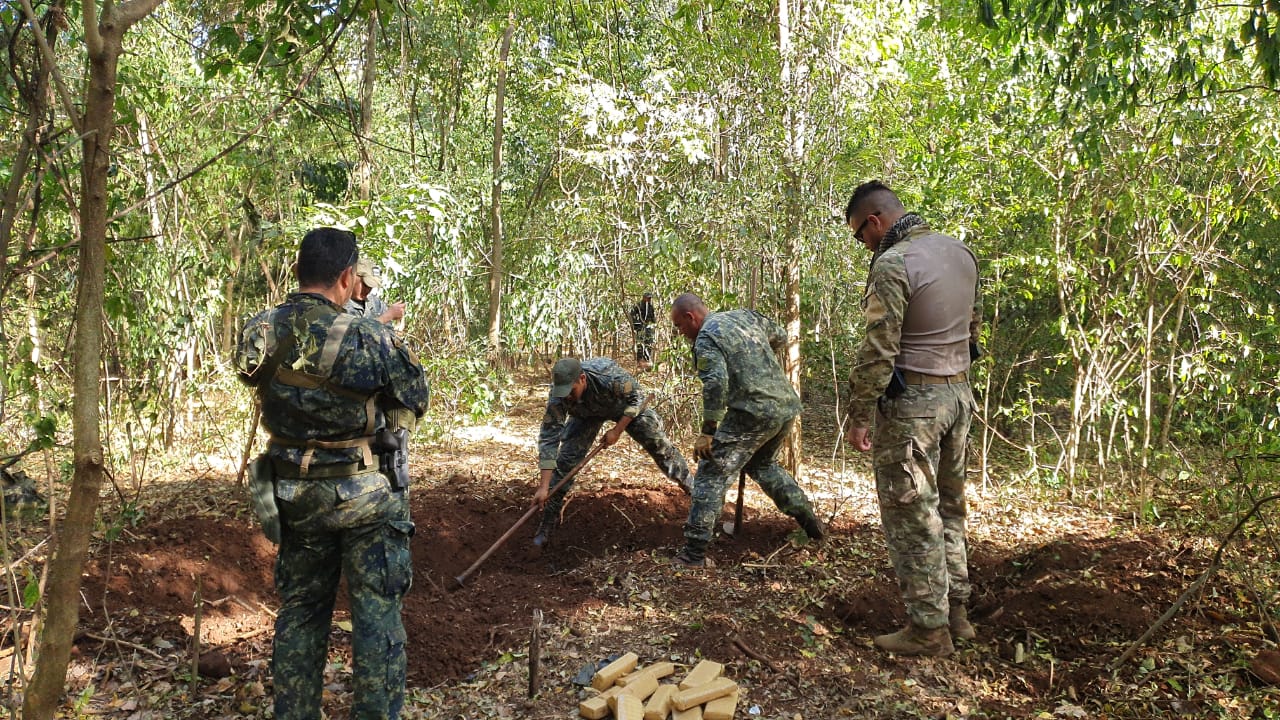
(606,676)
(702,673)
(641,689)
(659,705)
(629,708)
(693,713)
(659,670)
(721,708)
(700,694)
(597,707)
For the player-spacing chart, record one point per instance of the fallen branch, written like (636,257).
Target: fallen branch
(126,643)
(750,652)
(1195,586)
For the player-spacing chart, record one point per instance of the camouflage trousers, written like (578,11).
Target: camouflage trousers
(576,440)
(355,527)
(741,444)
(646,336)
(919,447)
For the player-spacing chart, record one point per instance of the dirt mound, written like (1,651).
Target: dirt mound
(151,572)
(457,521)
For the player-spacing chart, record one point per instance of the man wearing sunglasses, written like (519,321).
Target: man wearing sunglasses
(911,374)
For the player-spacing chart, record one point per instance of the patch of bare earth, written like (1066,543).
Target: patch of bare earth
(1059,594)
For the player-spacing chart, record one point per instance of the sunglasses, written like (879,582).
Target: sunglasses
(857,234)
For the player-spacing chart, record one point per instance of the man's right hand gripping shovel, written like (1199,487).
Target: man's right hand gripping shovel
(539,499)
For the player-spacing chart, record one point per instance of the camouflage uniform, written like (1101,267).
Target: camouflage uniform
(372,306)
(339,515)
(20,500)
(569,428)
(920,436)
(745,391)
(643,320)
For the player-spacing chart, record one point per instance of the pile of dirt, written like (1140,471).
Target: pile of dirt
(150,574)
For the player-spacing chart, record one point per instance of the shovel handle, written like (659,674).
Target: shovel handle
(460,579)
(737,509)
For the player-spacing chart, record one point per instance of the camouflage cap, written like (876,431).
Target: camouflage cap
(563,375)
(364,270)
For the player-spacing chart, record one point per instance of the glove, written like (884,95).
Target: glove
(702,447)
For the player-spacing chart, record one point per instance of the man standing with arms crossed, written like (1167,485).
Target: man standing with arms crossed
(923,314)
(748,408)
(337,391)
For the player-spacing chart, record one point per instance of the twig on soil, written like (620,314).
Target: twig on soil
(774,554)
(232,598)
(1195,586)
(624,515)
(752,653)
(10,567)
(126,643)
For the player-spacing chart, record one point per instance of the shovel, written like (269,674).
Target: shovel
(460,579)
(733,526)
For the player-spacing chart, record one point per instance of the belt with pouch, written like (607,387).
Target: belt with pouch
(290,471)
(911,377)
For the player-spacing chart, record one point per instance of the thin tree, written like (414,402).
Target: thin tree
(495,200)
(795,119)
(104,29)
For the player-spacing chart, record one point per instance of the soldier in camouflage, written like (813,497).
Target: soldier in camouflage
(364,302)
(643,322)
(748,408)
(328,381)
(923,314)
(20,501)
(583,396)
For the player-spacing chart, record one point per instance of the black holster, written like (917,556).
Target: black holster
(392,447)
(897,384)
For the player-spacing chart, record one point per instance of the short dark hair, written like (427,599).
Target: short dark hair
(324,253)
(688,302)
(873,196)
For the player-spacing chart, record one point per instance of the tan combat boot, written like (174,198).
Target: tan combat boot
(913,640)
(958,621)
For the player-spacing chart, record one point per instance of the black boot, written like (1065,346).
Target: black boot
(545,530)
(813,527)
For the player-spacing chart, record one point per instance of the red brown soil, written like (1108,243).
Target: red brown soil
(152,571)
(1072,604)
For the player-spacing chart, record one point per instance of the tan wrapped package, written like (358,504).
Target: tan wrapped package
(659,705)
(693,713)
(689,697)
(659,670)
(606,676)
(641,689)
(629,708)
(702,673)
(596,707)
(721,708)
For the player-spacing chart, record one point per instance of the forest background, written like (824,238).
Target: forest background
(523,171)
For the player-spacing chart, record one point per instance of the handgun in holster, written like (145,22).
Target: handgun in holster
(897,384)
(393,456)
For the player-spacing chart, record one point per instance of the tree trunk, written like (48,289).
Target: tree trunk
(495,201)
(37,99)
(792,83)
(364,173)
(103,41)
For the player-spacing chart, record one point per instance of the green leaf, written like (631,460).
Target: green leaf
(31,592)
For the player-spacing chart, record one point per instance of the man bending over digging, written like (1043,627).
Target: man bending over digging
(583,395)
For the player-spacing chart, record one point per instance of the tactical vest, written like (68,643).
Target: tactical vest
(273,368)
